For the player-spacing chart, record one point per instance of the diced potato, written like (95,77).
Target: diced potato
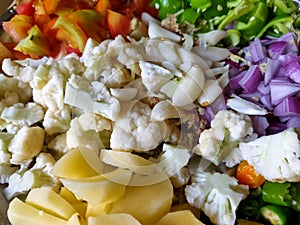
(179,218)
(146,203)
(67,166)
(98,189)
(113,219)
(76,219)
(97,210)
(79,205)
(21,213)
(51,202)
(186,206)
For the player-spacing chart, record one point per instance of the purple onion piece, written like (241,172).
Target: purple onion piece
(260,124)
(282,88)
(272,68)
(251,79)
(278,48)
(266,101)
(257,51)
(292,68)
(290,106)
(293,122)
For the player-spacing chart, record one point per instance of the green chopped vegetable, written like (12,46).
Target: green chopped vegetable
(277,215)
(283,194)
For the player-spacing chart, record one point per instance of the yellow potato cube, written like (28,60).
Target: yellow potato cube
(51,202)
(179,218)
(146,203)
(21,213)
(113,219)
(98,189)
(67,166)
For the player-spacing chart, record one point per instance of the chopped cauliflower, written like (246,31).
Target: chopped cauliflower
(37,176)
(23,114)
(285,146)
(217,195)
(58,146)
(57,121)
(134,130)
(220,142)
(26,144)
(181,178)
(85,131)
(5,155)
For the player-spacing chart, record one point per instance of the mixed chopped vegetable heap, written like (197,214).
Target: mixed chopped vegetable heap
(191,106)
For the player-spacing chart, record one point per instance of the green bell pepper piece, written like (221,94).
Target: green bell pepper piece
(232,38)
(218,8)
(200,4)
(256,21)
(244,7)
(283,194)
(166,7)
(285,6)
(277,215)
(189,15)
(280,24)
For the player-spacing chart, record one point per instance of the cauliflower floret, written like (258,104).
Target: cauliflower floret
(85,131)
(26,144)
(217,195)
(58,146)
(23,114)
(39,175)
(181,178)
(57,121)
(276,157)
(134,130)
(220,142)
(13,91)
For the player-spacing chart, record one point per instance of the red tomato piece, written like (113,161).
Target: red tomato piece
(25,8)
(118,24)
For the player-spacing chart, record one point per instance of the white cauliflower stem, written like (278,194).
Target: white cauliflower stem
(218,195)
(220,142)
(285,146)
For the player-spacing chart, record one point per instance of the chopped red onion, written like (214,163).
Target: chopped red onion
(278,48)
(292,68)
(290,106)
(293,122)
(257,51)
(272,67)
(251,79)
(282,88)
(260,124)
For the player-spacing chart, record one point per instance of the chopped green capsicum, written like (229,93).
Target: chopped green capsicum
(285,6)
(244,7)
(256,20)
(166,7)
(283,194)
(277,215)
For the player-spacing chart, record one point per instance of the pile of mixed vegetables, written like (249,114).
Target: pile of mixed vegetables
(214,84)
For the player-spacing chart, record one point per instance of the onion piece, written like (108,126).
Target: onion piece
(282,88)
(272,68)
(292,68)
(251,79)
(257,51)
(290,106)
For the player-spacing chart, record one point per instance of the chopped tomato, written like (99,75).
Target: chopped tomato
(118,24)
(50,6)
(246,174)
(25,8)
(18,27)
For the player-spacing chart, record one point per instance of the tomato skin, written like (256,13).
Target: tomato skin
(25,8)
(118,24)
(247,175)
